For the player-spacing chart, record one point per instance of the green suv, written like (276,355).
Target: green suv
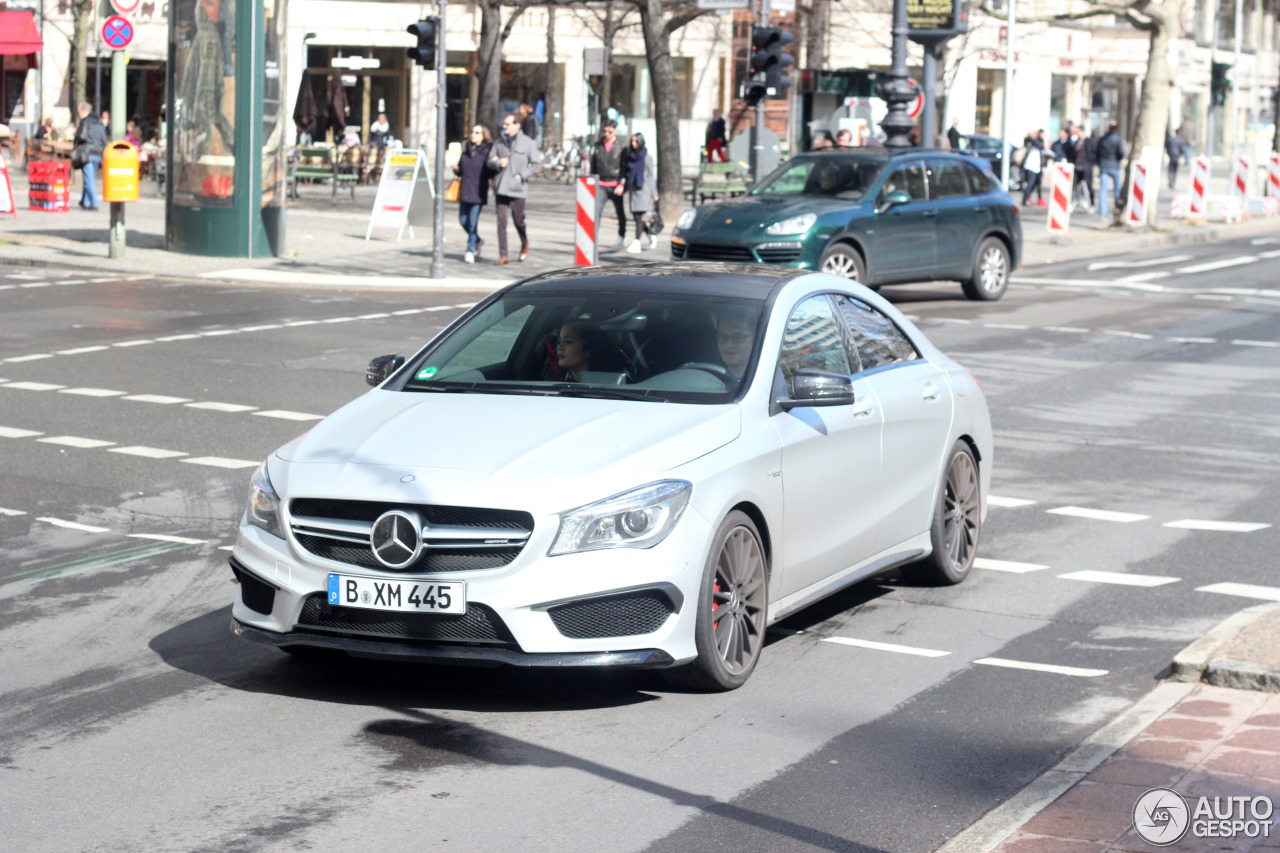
(869,214)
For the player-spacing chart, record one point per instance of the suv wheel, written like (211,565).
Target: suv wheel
(990,272)
(843,260)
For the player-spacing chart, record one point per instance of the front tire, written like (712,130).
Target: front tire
(957,522)
(991,270)
(843,260)
(732,608)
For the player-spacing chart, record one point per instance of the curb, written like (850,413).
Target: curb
(1199,661)
(1042,254)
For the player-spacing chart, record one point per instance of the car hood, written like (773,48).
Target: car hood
(515,437)
(747,217)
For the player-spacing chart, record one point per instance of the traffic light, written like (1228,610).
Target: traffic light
(768,61)
(428,33)
(779,61)
(1219,85)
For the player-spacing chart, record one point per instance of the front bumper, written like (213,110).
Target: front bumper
(781,252)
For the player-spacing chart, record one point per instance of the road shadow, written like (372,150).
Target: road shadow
(204,646)
(134,238)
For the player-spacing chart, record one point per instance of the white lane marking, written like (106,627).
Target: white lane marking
(141,343)
(220,462)
(286,415)
(160,537)
(1243,590)
(1005,326)
(1097,514)
(93,392)
(436,308)
(303,323)
(217,333)
(1149,262)
(262,328)
(1072,329)
(1143,276)
(71,525)
(148,452)
(1241,343)
(43,284)
(339,319)
(1257,241)
(76,441)
(4,511)
(886,647)
(14,432)
(81,350)
(1220,526)
(413,311)
(463,305)
(1211,297)
(37,357)
(1269,255)
(1123,334)
(1080,282)
(161,399)
(34,386)
(1079,672)
(956,320)
(1192,340)
(1223,264)
(182,337)
(373,316)
(1120,578)
(1011,503)
(1006,566)
(221,407)
(26,275)
(7,286)
(226,547)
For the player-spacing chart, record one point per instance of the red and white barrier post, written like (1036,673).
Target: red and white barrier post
(1240,180)
(1273,175)
(584,238)
(1200,186)
(1138,185)
(1061,181)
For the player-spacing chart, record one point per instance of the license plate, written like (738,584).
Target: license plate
(399,596)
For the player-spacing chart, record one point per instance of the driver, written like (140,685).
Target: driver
(734,338)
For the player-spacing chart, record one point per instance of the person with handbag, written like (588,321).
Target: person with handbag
(471,188)
(90,141)
(516,159)
(641,180)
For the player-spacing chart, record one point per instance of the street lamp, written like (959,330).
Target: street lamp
(897,91)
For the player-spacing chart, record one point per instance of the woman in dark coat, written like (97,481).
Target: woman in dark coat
(639,175)
(473,173)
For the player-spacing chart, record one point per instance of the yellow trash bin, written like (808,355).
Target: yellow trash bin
(120,172)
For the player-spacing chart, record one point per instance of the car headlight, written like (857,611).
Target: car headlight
(640,518)
(794,225)
(686,218)
(264,504)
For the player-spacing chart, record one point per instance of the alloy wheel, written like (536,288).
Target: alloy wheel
(737,601)
(960,512)
(993,269)
(841,265)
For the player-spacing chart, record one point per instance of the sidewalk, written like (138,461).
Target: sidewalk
(1212,731)
(325,241)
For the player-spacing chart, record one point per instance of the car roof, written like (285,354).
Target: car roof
(879,151)
(753,281)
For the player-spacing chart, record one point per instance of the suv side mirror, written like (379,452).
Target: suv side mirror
(382,367)
(893,198)
(813,387)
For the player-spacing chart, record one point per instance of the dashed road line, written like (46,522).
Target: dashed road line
(1192,340)
(1123,334)
(1149,262)
(34,386)
(1243,343)
(1079,672)
(886,647)
(141,343)
(93,392)
(4,511)
(37,357)
(221,462)
(214,406)
(74,525)
(1225,263)
(147,452)
(286,415)
(1243,590)
(80,350)
(1220,526)
(159,399)
(1006,566)
(1071,330)
(1017,326)
(182,337)
(1119,578)
(265,327)
(1144,276)
(14,432)
(76,441)
(1009,503)
(217,333)
(161,537)
(1098,514)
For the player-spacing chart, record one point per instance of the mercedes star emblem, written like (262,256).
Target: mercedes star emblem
(396,538)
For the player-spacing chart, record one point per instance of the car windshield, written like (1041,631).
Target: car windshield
(982,143)
(831,175)
(643,347)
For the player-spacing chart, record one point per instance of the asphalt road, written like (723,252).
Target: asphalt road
(1128,420)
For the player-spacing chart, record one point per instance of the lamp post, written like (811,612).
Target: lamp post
(896,91)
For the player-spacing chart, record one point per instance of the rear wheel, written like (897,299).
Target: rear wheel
(991,270)
(843,260)
(732,607)
(956,523)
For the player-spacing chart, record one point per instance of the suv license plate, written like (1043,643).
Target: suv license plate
(398,596)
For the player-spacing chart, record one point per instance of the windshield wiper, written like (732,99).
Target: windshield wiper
(608,393)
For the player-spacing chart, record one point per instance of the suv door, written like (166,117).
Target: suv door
(962,216)
(904,234)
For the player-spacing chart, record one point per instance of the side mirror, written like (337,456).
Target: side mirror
(893,198)
(813,387)
(382,367)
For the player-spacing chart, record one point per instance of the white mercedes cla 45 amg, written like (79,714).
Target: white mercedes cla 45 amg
(638,466)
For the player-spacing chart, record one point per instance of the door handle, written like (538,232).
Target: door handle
(862,408)
(931,391)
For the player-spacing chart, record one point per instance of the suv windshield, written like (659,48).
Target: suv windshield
(843,176)
(678,348)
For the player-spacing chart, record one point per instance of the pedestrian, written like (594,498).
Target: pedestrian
(516,159)
(716,138)
(1059,148)
(823,139)
(1086,151)
(1032,162)
(1110,154)
(953,134)
(45,130)
(529,122)
(1176,146)
(132,135)
(380,131)
(640,176)
(913,136)
(90,141)
(473,174)
(606,165)
(844,139)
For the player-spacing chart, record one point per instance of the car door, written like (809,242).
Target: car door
(962,217)
(917,408)
(903,235)
(830,455)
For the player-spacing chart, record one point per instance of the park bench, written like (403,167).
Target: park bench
(717,180)
(319,163)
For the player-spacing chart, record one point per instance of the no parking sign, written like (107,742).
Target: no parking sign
(117,32)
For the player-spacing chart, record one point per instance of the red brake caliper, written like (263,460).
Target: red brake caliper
(714,606)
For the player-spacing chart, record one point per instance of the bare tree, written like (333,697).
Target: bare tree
(81,30)
(550,118)
(493,35)
(606,20)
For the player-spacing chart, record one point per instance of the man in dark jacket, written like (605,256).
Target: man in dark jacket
(93,137)
(1110,155)
(516,159)
(1176,146)
(606,165)
(716,138)
(1086,149)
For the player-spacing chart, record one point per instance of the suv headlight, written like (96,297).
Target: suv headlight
(794,225)
(640,518)
(264,504)
(686,218)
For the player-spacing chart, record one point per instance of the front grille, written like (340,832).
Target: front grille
(677,251)
(480,624)
(614,616)
(455,539)
(788,255)
(697,252)
(257,595)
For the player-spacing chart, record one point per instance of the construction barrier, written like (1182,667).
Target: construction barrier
(1271,206)
(1199,186)
(1273,175)
(50,185)
(584,238)
(1232,209)
(1138,194)
(1062,178)
(1177,206)
(1240,179)
(6,190)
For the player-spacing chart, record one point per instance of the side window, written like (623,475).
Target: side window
(878,340)
(909,177)
(979,181)
(946,179)
(812,339)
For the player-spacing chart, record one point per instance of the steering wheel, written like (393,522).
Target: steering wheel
(719,371)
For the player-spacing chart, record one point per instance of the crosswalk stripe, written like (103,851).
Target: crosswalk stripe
(75,441)
(1220,526)
(1006,566)
(1244,590)
(14,432)
(220,462)
(1119,578)
(1097,514)
(886,647)
(34,386)
(1011,503)
(1077,671)
(72,525)
(147,452)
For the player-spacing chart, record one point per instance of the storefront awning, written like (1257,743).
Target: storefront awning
(18,33)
